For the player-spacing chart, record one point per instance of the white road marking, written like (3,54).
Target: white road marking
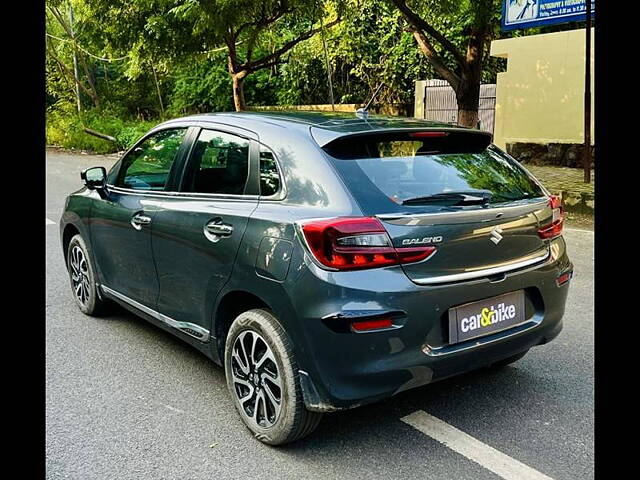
(50,222)
(464,444)
(172,408)
(579,230)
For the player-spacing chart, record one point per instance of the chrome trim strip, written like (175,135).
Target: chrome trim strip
(481,341)
(486,272)
(459,216)
(159,193)
(191,329)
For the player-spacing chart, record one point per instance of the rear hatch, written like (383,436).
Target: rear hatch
(450,189)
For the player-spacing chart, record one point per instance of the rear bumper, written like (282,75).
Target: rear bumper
(344,370)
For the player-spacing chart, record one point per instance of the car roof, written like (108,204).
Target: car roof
(325,126)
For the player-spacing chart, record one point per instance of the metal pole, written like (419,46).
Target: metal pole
(75,59)
(155,79)
(586,159)
(326,59)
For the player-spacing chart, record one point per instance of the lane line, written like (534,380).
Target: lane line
(50,222)
(464,444)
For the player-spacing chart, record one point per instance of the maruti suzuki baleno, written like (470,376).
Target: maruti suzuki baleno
(325,261)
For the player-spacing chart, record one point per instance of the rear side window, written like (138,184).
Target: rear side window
(406,169)
(269,176)
(148,165)
(219,164)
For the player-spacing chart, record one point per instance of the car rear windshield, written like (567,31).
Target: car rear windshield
(408,167)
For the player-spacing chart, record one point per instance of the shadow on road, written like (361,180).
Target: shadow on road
(490,399)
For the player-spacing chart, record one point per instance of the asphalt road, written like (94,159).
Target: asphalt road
(126,400)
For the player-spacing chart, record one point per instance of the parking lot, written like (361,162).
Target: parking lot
(126,400)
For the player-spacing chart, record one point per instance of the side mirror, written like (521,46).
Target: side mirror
(95,178)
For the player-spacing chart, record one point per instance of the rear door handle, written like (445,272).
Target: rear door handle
(215,230)
(139,219)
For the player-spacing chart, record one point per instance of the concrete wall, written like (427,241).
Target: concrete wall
(393,109)
(418,105)
(339,107)
(540,98)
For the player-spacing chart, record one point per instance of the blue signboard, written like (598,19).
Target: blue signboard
(533,13)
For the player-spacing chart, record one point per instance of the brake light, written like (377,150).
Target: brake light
(554,228)
(351,243)
(428,134)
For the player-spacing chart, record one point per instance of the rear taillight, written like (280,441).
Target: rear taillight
(553,229)
(351,243)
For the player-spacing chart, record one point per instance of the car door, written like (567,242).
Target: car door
(121,221)
(196,233)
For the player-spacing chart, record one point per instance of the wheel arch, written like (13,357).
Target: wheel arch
(73,224)
(230,305)
(70,230)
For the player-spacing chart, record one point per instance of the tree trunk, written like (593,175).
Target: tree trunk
(238,90)
(468,118)
(468,97)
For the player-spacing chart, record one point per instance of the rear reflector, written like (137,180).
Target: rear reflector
(352,243)
(564,278)
(553,229)
(377,324)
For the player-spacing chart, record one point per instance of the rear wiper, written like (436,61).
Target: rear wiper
(473,197)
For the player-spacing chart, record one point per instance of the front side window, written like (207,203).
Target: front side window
(220,164)
(148,165)
(269,177)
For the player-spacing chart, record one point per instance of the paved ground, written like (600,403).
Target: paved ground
(578,198)
(126,400)
(559,179)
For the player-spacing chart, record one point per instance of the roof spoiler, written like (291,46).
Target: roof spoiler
(474,139)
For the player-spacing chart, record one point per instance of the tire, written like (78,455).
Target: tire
(274,363)
(508,361)
(84,290)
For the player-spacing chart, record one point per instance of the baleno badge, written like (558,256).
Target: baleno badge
(414,241)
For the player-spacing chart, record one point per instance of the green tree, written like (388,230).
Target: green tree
(64,54)
(364,50)
(377,50)
(256,33)
(455,36)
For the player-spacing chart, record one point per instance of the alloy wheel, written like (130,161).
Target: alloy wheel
(79,271)
(256,380)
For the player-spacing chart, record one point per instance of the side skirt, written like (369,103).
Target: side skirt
(191,329)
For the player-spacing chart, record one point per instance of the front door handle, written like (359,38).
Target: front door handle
(139,219)
(216,229)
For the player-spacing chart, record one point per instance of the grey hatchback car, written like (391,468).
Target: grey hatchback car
(325,261)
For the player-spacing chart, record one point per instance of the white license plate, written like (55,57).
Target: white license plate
(491,315)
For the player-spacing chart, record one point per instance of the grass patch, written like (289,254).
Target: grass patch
(67,131)
(581,221)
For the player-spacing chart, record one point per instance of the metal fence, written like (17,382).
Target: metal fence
(439,103)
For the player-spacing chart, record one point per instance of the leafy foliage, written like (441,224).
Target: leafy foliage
(141,61)
(65,129)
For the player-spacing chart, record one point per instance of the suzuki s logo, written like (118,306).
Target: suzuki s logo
(420,241)
(495,235)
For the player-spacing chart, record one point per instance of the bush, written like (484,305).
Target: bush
(65,129)
(201,87)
